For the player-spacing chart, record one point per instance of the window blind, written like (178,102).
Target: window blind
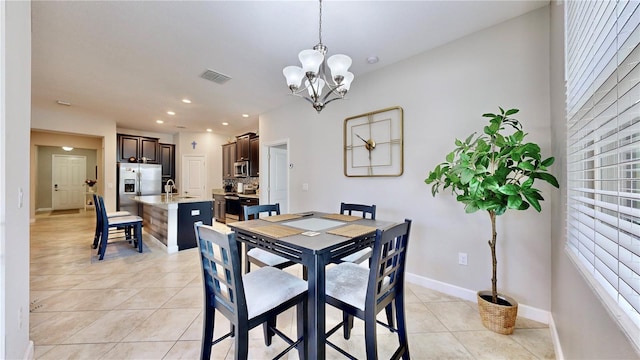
(603,147)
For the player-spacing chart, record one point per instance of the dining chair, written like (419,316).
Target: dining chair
(370,210)
(245,300)
(363,293)
(258,256)
(123,223)
(96,236)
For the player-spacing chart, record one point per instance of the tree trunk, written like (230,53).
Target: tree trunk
(492,245)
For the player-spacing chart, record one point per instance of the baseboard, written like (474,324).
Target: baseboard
(29,352)
(557,347)
(527,312)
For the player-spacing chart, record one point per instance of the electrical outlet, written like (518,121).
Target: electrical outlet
(462,258)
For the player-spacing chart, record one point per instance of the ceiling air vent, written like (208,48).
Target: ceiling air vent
(215,76)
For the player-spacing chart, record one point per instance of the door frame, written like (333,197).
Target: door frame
(266,169)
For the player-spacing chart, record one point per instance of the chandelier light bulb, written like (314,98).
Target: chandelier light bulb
(311,61)
(339,65)
(294,75)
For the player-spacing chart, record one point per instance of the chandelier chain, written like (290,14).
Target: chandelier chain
(320,24)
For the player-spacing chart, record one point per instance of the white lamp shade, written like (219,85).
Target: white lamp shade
(346,83)
(339,65)
(311,60)
(294,75)
(317,84)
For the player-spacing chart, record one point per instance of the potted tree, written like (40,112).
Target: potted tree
(495,171)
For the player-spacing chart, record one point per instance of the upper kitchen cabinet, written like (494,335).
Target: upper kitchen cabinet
(168,161)
(138,147)
(228,158)
(254,156)
(242,146)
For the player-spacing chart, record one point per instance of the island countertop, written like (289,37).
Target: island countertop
(164,201)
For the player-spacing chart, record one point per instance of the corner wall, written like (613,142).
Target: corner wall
(444,93)
(584,327)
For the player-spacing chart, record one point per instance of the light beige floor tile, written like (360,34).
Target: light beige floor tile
(39,351)
(420,319)
(437,346)
(149,298)
(189,297)
(138,350)
(113,326)
(428,295)
(185,350)
(172,280)
(76,351)
(76,300)
(489,345)
(164,325)
(57,328)
(456,316)
(537,341)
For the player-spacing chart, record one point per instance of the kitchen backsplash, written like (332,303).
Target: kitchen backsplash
(254,181)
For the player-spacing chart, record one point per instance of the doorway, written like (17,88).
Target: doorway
(194,176)
(67,177)
(278,175)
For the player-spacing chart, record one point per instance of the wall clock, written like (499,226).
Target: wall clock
(373,143)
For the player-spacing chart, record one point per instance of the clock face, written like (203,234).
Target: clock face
(373,144)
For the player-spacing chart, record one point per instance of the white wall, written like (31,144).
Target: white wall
(208,145)
(443,92)
(14,139)
(73,120)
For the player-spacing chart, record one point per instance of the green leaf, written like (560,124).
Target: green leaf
(533,201)
(527,184)
(511,112)
(469,138)
(525,165)
(548,178)
(490,183)
(509,189)
(450,157)
(458,142)
(514,201)
(548,162)
(471,208)
(467,175)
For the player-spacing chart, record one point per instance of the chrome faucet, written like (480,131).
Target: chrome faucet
(168,189)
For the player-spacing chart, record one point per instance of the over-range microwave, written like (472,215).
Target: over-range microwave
(241,169)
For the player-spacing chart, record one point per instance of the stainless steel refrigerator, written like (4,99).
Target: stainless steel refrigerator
(135,180)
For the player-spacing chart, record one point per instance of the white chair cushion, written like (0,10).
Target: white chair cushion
(358,256)
(124,220)
(266,257)
(347,282)
(118,213)
(268,287)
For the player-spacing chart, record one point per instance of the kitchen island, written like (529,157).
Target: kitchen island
(170,219)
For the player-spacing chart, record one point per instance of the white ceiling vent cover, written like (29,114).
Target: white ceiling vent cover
(215,76)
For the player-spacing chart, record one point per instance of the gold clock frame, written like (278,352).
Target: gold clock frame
(379,152)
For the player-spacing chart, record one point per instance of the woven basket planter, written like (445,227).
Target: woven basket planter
(501,317)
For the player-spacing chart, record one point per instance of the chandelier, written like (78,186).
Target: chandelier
(313,71)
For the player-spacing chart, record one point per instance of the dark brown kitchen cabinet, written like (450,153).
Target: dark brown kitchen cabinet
(242,147)
(228,158)
(138,147)
(254,156)
(168,162)
(245,201)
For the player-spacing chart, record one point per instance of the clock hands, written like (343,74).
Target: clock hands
(369,144)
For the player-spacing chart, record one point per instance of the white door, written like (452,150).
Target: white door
(68,175)
(278,177)
(194,176)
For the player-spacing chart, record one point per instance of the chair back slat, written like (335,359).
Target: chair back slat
(222,279)
(253,212)
(386,279)
(347,209)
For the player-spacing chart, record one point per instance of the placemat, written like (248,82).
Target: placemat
(342,217)
(352,230)
(282,217)
(277,231)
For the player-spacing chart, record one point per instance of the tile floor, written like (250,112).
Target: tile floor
(148,306)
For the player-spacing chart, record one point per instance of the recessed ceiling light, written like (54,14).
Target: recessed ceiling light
(209,130)
(372,59)
(245,115)
(225,123)
(67,148)
(171,113)
(186,101)
(65,103)
(160,121)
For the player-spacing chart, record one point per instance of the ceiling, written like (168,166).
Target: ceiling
(133,61)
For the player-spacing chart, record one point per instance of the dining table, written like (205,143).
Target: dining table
(314,239)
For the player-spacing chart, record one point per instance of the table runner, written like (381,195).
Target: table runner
(282,217)
(342,217)
(277,231)
(352,230)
